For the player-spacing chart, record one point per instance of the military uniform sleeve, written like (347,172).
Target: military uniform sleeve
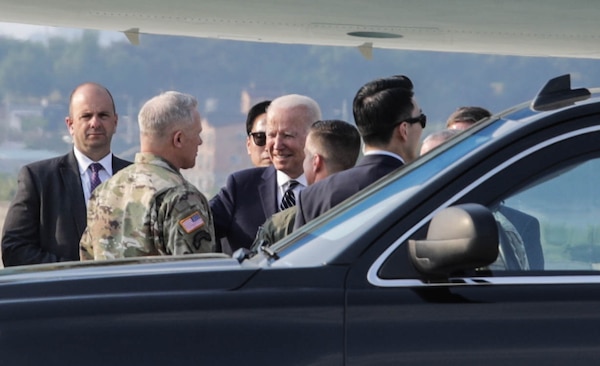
(275,228)
(86,243)
(188,227)
(102,237)
(264,235)
(86,252)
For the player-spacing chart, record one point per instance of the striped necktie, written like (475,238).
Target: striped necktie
(289,199)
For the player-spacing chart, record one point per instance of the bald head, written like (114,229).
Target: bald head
(92,120)
(90,87)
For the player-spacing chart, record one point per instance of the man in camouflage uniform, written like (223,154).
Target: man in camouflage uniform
(149,208)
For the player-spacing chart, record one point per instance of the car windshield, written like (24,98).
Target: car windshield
(338,228)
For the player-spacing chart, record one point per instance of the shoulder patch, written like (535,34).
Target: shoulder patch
(192,222)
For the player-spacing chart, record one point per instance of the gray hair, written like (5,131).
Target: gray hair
(313,111)
(441,135)
(437,138)
(160,113)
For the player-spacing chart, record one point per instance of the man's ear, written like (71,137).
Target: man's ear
(177,138)
(402,131)
(318,163)
(69,123)
(248,144)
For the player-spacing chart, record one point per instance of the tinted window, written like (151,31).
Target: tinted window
(542,192)
(558,218)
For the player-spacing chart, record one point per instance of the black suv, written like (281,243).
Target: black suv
(484,251)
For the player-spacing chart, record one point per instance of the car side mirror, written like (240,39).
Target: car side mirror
(460,237)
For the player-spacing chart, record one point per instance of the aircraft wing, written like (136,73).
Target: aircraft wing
(512,27)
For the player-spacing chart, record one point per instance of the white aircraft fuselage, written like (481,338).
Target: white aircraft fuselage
(511,27)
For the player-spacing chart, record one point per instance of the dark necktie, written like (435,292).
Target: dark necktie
(289,199)
(95,180)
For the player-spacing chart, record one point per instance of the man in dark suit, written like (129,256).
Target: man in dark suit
(47,216)
(390,123)
(251,196)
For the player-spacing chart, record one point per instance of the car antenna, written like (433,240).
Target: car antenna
(557,93)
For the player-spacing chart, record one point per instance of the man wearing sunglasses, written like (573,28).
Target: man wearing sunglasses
(250,196)
(390,123)
(256,130)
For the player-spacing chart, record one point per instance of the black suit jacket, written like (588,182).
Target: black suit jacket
(47,216)
(325,194)
(248,198)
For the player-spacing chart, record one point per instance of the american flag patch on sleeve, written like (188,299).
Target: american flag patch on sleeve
(192,222)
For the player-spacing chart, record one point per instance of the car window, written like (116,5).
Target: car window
(557,218)
(541,192)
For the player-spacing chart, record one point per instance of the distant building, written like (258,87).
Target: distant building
(247,101)
(202,174)
(223,150)
(233,155)
(16,114)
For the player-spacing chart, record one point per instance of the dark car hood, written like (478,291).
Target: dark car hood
(183,273)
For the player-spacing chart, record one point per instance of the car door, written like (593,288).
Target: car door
(546,311)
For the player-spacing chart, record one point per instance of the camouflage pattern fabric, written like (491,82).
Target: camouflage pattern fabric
(147,209)
(275,228)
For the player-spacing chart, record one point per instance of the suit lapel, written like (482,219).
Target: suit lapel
(118,164)
(267,189)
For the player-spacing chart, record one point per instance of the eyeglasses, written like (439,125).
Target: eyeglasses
(260,138)
(422,119)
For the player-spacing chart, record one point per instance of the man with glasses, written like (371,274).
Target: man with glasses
(250,196)
(256,130)
(390,123)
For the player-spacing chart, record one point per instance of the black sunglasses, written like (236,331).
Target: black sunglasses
(422,119)
(260,138)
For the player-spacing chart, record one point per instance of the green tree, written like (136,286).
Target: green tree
(26,71)
(8,187)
